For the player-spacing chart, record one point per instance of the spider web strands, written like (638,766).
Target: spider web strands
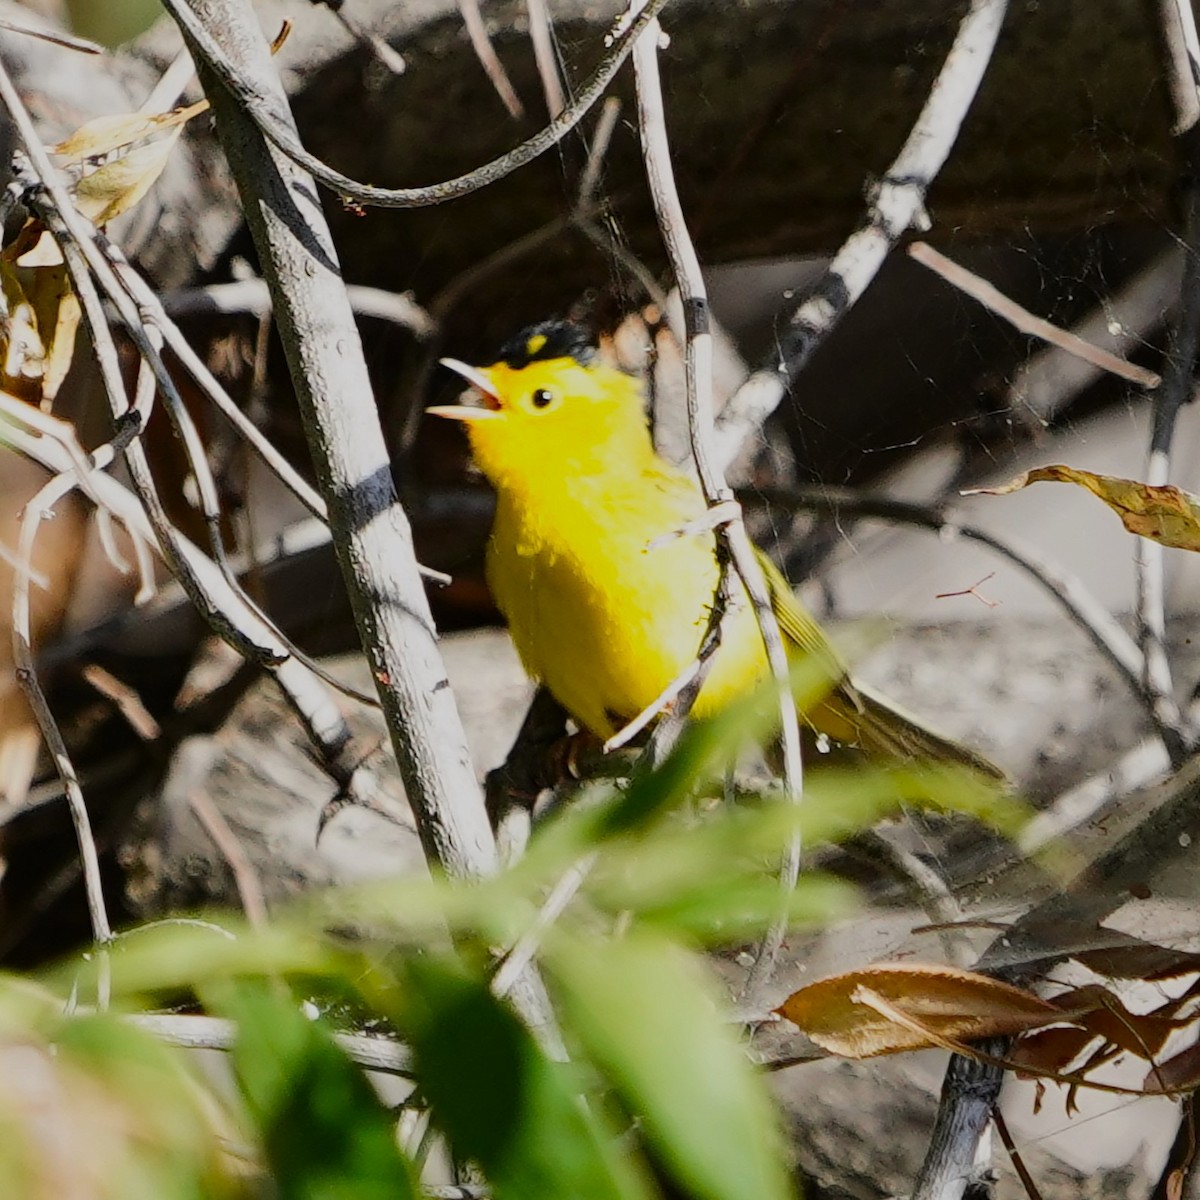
(897,204)
(730,529)
(371,533)
(1066,589)
(268,111)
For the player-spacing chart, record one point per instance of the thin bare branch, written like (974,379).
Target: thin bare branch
(215,1033)
(304,689)
(1178,22)
(541,33)
(560,896)
(489,60)
(993,299)
(22,644)
(169,89)
(254,297)
(1044,386)
(371,41)
(1176,386)
(1066,589)
(245,878)
(698,372)
(129,704)
(54,37)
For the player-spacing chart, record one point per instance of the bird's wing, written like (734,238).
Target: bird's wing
(799,628)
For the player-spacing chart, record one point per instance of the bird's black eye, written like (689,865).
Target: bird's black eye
(542,397)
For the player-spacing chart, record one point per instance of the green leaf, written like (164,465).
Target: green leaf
(722,911)
(183,954)
(502,1103)
(325,1132)
(650,1016)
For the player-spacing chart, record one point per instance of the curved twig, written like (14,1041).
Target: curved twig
(265,111)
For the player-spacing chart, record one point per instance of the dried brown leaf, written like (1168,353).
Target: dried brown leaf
(1180,1072)
(1050,1051)
(104,135)
(139,146)
(935,1002)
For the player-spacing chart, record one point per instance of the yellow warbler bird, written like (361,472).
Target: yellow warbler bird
(606,602)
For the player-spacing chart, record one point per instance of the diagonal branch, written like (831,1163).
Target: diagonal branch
(897,205)
(372,536)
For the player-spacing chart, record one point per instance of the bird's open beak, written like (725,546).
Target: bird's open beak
(482,384)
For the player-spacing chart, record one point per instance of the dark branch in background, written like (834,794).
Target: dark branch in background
(731,529)
(897,205)
(269,112)
(1182,56)
(371,534)
(969,1094)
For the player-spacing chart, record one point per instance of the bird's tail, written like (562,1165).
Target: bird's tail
(859,717)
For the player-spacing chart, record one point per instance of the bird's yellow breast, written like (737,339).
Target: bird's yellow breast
(602,611)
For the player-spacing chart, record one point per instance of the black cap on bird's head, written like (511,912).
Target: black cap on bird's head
(548,340)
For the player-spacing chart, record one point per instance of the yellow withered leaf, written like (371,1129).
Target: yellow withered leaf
(139,145)
(103,135)
(1164,514)
(120,183)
